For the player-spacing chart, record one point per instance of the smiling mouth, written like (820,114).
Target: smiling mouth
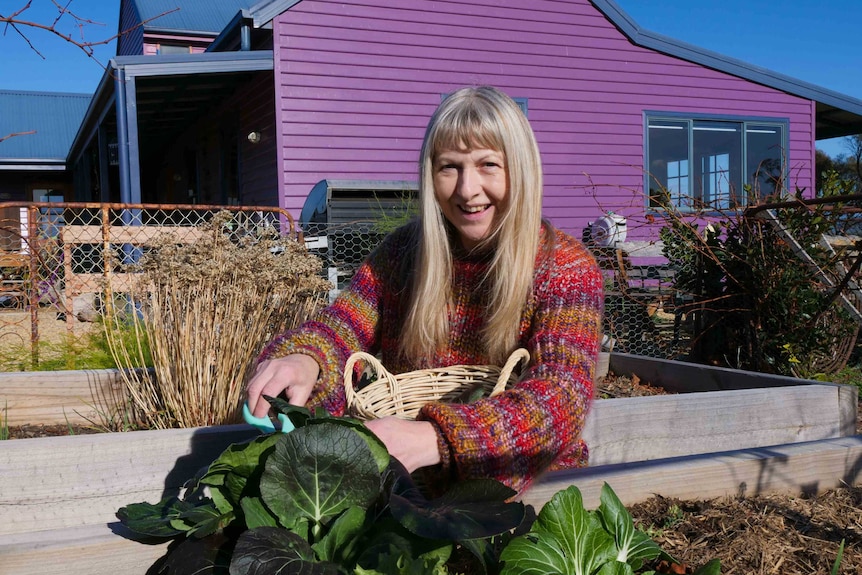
(473,209)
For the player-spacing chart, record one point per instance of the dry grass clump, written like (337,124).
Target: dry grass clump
(206,309)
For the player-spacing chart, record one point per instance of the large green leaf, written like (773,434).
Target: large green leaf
(529,555)
(301,417)
(240,459)
(633,546)
(199,556)
(155,520)
(339,543)
(565,538)
(256,514)
(471,509)
(316,472)
(275,551)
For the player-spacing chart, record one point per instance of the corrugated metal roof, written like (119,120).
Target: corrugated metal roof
(192,16)
(54,117)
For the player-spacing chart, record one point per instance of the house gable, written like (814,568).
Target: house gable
(357,81)
(172,27)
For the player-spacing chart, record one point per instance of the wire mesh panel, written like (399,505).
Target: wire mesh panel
(644,313)
(58,260)
(342,247)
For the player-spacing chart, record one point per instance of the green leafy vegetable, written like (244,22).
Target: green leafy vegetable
(566,538)
(323,499)
(317,472)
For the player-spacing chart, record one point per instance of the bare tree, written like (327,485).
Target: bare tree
(19,23)
(854,161)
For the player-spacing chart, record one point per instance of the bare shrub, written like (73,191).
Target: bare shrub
(205,310)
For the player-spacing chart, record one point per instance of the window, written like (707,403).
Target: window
(174,49)
(713,163)
(50,219)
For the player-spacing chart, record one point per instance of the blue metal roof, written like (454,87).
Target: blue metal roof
(204,16)
(54,117)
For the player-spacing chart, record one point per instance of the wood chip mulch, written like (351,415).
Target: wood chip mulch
(774,534)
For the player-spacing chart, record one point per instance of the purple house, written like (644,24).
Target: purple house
(289,94)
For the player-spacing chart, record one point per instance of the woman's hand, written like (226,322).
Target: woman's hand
(413,443)
(295,375)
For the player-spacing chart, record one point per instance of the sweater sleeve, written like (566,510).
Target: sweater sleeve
(518,434)
(349,324)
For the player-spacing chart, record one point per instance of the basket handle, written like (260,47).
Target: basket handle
(349,391)
(518,356)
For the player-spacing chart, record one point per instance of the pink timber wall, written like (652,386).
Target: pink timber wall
(356,81)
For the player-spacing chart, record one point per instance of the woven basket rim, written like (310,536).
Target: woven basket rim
(403,395)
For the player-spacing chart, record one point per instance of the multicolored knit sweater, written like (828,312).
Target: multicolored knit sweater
(515,435)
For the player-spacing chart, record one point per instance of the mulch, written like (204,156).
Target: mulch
(774,534)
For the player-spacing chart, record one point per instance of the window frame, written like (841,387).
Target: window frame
(690,118)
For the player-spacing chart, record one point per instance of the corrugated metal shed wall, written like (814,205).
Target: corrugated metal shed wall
(54,117)
(356,81)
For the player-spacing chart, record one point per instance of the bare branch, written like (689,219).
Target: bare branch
(18,23)
(6,137)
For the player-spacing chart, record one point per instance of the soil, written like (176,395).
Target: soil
(774,534)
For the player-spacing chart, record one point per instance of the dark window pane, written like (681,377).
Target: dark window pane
(668,162)
(718,164)
(765,166)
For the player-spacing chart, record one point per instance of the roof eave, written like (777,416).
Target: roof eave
(710,59)
(174,64)
(265,11)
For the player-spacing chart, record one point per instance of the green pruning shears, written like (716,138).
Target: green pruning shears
(264,423)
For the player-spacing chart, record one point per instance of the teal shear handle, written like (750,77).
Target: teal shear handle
(265,424)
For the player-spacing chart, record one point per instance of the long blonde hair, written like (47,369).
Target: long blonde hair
(472,118)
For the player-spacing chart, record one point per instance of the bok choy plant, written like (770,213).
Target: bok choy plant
(566,538)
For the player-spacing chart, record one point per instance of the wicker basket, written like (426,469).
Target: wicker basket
(404,395)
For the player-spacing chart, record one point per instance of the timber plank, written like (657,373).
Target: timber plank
(800,468)
(59,482)
(115,469)
(84,550)
(643,428)
(51,397)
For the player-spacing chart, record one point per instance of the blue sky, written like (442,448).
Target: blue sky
(818,42)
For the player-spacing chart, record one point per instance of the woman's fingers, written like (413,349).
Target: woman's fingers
(294,375)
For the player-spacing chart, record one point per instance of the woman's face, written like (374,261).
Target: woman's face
(471,187)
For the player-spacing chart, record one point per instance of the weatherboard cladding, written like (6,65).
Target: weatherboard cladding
(54,117)
(356,81)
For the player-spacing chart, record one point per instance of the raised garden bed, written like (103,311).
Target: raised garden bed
(60,494)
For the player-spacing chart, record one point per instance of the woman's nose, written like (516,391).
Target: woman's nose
(468,183)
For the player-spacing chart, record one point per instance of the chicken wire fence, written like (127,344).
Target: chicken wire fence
(54,262)
(643,313)
(57,260)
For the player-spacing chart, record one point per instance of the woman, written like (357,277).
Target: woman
(478,275)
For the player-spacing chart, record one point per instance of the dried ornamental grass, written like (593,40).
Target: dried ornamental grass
(207,309)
